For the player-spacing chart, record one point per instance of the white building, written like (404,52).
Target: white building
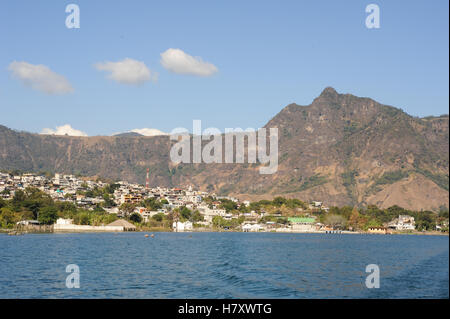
(180,227)
(209,213)
(403,222)
(251,228)
(62,221)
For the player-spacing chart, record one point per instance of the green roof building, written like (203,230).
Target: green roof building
(301,220)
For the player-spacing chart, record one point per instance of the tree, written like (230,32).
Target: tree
(108,201)
(99,209)
(371,223)
(48,215)
(158,217)
(19,197)
(425,221)
(185,213)
(335,221)
(135,217)
(443,211)
(228,205)
(152,204)
(83,218)
(111,188)
(197,217)
(244,209)
(354,219)
(127,208)
(278,201)
(7,217)
(218,221)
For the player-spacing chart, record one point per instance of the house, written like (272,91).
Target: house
(28,222)
(66,225)
(228,216)
(111,210)
(251,228)
(62,221)
(303,224)
(210,213)
(127,226)
(377,230)
(146,215)
(403,222)
(131,198)
(180,226)
(317,204)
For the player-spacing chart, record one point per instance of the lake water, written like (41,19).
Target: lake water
(223,265)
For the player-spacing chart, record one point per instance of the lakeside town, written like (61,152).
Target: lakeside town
(32,202)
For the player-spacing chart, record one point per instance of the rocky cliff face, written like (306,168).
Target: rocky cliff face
(341,149)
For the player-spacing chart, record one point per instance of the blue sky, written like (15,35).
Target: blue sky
(267,54)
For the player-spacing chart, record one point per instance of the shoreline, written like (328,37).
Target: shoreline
(160,230)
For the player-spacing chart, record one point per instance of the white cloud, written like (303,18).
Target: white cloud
(63,130)
(128,71)
(40,77)
(177,61)
(148,131)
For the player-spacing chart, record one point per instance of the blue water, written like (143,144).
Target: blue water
(223,265)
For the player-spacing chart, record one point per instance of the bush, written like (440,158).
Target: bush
(135,217)
(82,218)
(158,217)
(48,215)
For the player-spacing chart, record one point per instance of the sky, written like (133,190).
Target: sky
(162,64)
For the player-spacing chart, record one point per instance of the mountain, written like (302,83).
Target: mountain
(340,149)
(128,134)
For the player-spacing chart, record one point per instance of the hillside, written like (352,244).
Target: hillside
(340,149)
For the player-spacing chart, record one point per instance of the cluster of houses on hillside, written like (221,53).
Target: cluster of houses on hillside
(79,191)
(76,190)
(69,188)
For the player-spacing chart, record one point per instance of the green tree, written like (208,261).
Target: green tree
(185,213)
(82,218)
(127,208)
(443,211)
(158,217)
(335,221)
(109,202)
(7,217)
(218,221)
(371,223)
(228,205)
(135,217)
(197,217)
(152,204)
(278,201)
(19,197)
(425,221)
(48,215)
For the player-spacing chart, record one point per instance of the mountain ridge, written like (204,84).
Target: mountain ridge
(341,149)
